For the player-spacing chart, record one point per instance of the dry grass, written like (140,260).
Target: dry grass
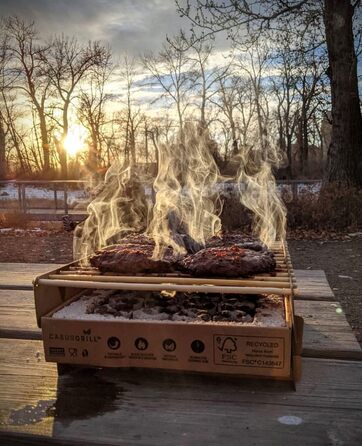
(14,219)
(334,209)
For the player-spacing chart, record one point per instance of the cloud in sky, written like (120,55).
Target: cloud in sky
(132,26)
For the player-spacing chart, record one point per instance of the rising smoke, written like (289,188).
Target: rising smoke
(187,202)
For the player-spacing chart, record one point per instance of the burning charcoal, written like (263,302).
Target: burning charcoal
(231,300)
(91,307)
(247,318)
(204,316)
(247,304)
(211,306)
(227,307)
(105,309)
(171,309)
(150,314)
(191,312)
(124,314)
(239,315)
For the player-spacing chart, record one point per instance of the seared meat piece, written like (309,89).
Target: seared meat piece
(231,261)
(240,240)
(132,259)
(136,239)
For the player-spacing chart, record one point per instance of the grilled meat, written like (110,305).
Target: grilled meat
(240,240)
(230,261)
(132,259)
(232,255)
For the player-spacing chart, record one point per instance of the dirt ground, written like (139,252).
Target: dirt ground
(342,263)
(341,260)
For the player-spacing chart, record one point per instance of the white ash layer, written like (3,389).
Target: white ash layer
(265,310)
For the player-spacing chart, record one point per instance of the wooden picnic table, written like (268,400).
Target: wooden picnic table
(150,407)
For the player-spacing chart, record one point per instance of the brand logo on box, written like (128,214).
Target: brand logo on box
(74,337)
(249,351)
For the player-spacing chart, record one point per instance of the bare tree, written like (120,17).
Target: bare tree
(309,87)
(173,70)
(246,111)
(67,64)
(131,117)
(91,109)
(16,135)
(4,83)
(226,100)
(253,64)
(29,67)
(346,141)
(207,77)
(283,88)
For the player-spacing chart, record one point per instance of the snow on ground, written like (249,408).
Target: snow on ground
(77,197)
(15,231)
(10,192)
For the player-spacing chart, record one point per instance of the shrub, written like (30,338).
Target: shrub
(14,219)
(333,209)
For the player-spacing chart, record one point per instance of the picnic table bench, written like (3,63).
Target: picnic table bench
(150,407)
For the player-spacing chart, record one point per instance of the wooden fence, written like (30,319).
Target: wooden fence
(60,188)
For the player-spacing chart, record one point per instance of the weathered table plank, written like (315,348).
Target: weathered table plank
(313,285)
(21,275)
(326,333)
(149,407)
(17,315)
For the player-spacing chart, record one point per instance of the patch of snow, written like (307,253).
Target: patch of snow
(10,192)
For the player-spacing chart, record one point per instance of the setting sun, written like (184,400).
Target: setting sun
(75,140)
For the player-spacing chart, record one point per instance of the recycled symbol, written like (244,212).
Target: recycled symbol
(72,352)
(229,345)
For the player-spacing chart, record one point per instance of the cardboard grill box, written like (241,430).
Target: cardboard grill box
(254,351)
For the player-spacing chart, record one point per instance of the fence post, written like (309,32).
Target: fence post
(24,198)
(55,197)
(65,199)
(20,198)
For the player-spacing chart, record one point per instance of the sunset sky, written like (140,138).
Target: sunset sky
(135,26)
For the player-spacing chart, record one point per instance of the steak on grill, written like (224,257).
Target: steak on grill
(230,261)
(232,255)
(241,240)
(131,258)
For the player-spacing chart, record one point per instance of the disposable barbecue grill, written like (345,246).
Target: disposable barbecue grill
(280,282)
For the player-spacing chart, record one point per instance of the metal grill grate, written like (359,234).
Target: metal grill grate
(281,281)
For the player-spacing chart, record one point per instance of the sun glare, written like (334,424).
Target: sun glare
(75,140)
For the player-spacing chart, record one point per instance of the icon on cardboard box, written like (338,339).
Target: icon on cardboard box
(73,351)
(169,345)
(141,344)
(228,345)
(113,343)
(197,346)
